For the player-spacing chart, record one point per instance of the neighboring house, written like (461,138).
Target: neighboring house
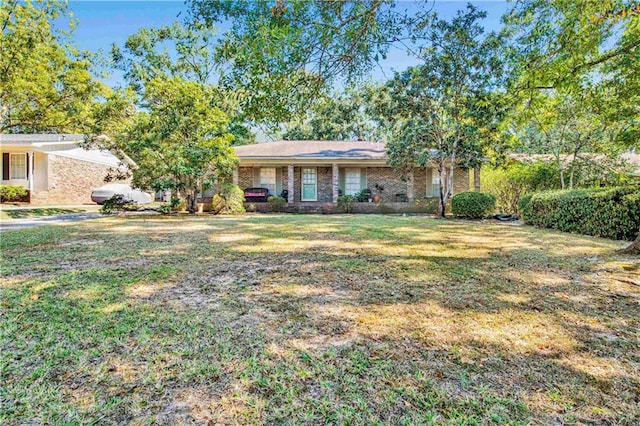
(53,167)
(629,158)
(320,171)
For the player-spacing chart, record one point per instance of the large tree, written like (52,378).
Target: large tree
(443,110)
(185,52)
(46,84)
(338,117)
(179,141)
(282,54)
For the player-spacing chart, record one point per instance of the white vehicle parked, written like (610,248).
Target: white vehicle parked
(105,192)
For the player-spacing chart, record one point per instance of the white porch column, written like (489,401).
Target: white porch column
(336,182)
(235,175)
(410,186)
(30,171)
(290,186)
(476,178)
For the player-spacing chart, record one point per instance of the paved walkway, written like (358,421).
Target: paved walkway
(47,220)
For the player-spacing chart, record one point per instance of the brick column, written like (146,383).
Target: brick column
(410,186)
(476,178)
(236,176)
(290,187)
(335,182)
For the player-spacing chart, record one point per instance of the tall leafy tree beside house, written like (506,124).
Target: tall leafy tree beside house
(338,117)
(179,142)
(185,52)
(281,55)
(45,83)
(444,110)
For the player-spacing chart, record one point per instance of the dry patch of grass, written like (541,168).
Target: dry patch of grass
(316,319)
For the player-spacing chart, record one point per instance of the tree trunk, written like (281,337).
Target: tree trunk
(571,179)
(442,172)
(635,246)
(192,201)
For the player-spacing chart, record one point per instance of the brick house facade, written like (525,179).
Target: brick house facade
(53,168)
(317,172)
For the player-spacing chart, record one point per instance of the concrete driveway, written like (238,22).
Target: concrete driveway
(8,224)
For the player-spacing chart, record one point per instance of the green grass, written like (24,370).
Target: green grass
(38,212)
(316,319)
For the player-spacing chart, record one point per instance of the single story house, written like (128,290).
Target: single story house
(319,171)
(54,168)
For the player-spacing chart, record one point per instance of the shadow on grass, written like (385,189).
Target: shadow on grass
(315,319)
(40,212)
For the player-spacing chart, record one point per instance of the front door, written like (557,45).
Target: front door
(309,185)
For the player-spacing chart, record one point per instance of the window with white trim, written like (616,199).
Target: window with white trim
(352,181)
(18,166)
(268,179)
(309,185)
(435,186)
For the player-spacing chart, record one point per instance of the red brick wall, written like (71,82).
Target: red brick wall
(70,181)
(245,177)
(460,180)
(388,178)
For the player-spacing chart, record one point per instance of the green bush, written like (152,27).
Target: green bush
(345,203)
(473,205)
(165,208)
(605,212)
(228,200)
(12,193)
(178,204)
(508,184)
(276,204)
(524,205)
(115,203)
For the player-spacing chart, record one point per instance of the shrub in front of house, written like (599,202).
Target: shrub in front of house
(276,204)
(524,205)
(228,200)
(114,204)
(603,212)
(12,193)
(345,203)
(473,205)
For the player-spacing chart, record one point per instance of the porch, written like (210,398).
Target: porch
(311,184)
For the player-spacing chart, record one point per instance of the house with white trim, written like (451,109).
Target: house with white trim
(317,172)
(54,168)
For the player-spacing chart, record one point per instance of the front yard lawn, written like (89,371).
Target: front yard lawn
(316,319)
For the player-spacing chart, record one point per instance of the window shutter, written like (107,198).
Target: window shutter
(429,183)
(28,168)
(341,183)
(278,181)
(5,166)
(363,178)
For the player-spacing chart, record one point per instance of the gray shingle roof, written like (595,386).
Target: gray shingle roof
(39,138)
(313,150)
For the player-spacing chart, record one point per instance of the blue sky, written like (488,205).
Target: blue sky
(102,23)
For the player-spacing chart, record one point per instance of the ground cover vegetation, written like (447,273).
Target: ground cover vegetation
(310,318)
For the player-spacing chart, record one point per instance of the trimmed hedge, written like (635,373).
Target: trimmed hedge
(604,212)
(276,204)
(12,193)
(472,205)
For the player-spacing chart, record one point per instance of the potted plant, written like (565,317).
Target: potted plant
(378,197)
